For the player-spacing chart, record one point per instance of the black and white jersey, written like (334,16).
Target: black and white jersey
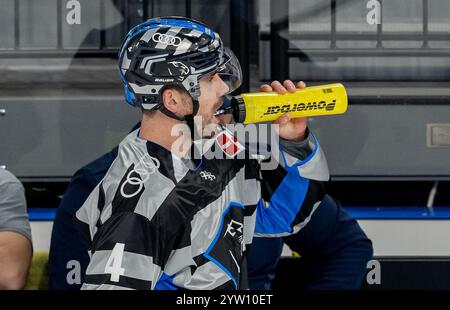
(157,222)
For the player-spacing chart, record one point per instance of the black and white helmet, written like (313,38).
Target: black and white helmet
(172,51)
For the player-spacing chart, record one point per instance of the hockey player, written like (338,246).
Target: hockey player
(163,218)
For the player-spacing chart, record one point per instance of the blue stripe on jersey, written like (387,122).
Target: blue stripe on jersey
(165,283)
(232,204)
(284,205)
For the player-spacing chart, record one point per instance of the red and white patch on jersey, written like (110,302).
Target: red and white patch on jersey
(229,144)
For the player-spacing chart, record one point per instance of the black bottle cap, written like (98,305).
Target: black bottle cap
(239,109)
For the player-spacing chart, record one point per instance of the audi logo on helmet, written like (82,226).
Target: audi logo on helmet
(166,39)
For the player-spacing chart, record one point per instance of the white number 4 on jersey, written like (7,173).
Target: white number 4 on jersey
(114,263)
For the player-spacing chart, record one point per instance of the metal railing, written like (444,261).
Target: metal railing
(134,11)
(280,36)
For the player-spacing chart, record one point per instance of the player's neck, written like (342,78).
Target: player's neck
(158,129)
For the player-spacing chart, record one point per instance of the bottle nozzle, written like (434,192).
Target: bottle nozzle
(226,107)
(233,105)
(224,111)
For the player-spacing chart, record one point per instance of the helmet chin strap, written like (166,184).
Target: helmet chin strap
(189,119)
(170,114)
(192,128)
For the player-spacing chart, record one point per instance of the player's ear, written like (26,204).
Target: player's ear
(172,100)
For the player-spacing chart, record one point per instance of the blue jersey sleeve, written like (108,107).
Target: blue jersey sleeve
(291,192)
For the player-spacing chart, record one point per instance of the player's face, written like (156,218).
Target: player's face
(212,89)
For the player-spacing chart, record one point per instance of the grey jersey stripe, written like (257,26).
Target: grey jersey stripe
(157,190)
(134,263)
(179,259)
(249,228)
(206,277)
(179,168)
(316,168)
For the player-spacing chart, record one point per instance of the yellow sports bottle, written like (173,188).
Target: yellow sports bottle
(258,107)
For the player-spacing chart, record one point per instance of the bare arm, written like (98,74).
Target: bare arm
(15,233)
(15,259)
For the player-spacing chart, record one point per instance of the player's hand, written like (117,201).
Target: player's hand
(289,128)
